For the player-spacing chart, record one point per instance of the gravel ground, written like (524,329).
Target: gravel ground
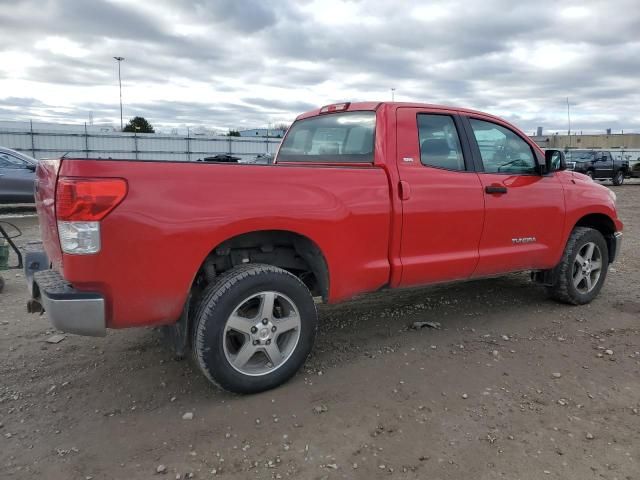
(511,386)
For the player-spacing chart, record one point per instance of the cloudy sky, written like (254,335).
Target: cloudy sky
(236,64)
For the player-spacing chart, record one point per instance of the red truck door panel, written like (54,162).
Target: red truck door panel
(524,211)
(442,199)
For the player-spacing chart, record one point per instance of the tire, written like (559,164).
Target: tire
(254,303)
(590,174)
(618,178)
(566,287)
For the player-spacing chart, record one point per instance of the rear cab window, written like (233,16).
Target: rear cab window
(346,137)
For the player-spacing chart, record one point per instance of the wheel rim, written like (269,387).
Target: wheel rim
(590,174)
(587,268)
(261,333)
(619,177)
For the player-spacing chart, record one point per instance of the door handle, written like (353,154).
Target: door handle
(495,189)
(404,190)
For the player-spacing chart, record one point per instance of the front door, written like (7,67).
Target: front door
(443,202)
(524,211)
(603,164)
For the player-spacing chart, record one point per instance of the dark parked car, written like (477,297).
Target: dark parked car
(17,175)
(598,164)
(222,158)
(262,159)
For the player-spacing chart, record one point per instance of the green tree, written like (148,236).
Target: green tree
(140,125)
(281,126)
(233,133)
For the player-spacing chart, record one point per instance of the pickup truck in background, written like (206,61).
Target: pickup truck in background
(232,258)
(598,164)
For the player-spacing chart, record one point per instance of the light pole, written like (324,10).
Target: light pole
(119,60)
(393,94)
(569,120)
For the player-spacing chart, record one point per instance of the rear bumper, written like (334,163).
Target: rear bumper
(69,310)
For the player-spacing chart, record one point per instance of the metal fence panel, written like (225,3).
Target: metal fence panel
(86,142)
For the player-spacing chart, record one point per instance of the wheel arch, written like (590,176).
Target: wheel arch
(289,250)
(286,249)
(602,223)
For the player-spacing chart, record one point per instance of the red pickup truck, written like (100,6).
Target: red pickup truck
(361,197)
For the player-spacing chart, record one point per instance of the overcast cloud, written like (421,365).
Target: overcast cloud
(238,64)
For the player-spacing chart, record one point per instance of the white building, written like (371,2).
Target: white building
(263,132)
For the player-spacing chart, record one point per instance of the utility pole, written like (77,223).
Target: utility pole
(569,121)
(393,94)
(119,60)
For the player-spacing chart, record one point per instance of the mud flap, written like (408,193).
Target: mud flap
(545,277)
(177,335)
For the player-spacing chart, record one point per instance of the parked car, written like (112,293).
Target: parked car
(262,159)
(598,164)
(222,158)
(634,166)
(361,197)
(16,176)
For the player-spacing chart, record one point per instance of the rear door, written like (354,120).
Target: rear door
(442,199)
(16,179)
(524,211)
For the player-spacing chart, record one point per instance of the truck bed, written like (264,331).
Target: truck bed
(176,213)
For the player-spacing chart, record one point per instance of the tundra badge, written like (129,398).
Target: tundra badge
(524,240)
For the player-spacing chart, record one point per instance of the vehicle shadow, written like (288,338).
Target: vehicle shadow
(141,363)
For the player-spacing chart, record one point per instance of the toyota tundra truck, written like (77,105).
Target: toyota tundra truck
(232,259)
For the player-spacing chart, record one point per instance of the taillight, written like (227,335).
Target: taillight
(88,199)
(80,205)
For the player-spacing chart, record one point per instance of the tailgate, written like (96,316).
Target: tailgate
(45,194)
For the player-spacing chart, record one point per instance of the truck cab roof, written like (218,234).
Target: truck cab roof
(355,106)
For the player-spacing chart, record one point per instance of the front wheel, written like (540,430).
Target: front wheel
(618,178)
(254,328)
(581,273)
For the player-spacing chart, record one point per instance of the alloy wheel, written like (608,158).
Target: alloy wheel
(261,333)
(587,268)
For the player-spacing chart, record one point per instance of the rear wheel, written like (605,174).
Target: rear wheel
(254,328)
(590,174)
(618,178)
(581,273)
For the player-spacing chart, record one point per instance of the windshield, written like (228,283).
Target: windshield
(579,156)
(337,137)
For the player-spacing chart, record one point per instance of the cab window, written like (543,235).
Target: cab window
(501,150)
(337,137)
(439,142)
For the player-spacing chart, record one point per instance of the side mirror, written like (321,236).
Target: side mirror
(554,161)
(31,166)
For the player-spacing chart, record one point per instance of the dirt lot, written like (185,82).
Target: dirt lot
(513,386)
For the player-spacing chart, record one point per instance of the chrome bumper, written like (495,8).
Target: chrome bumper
(69,310)
(616,245)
